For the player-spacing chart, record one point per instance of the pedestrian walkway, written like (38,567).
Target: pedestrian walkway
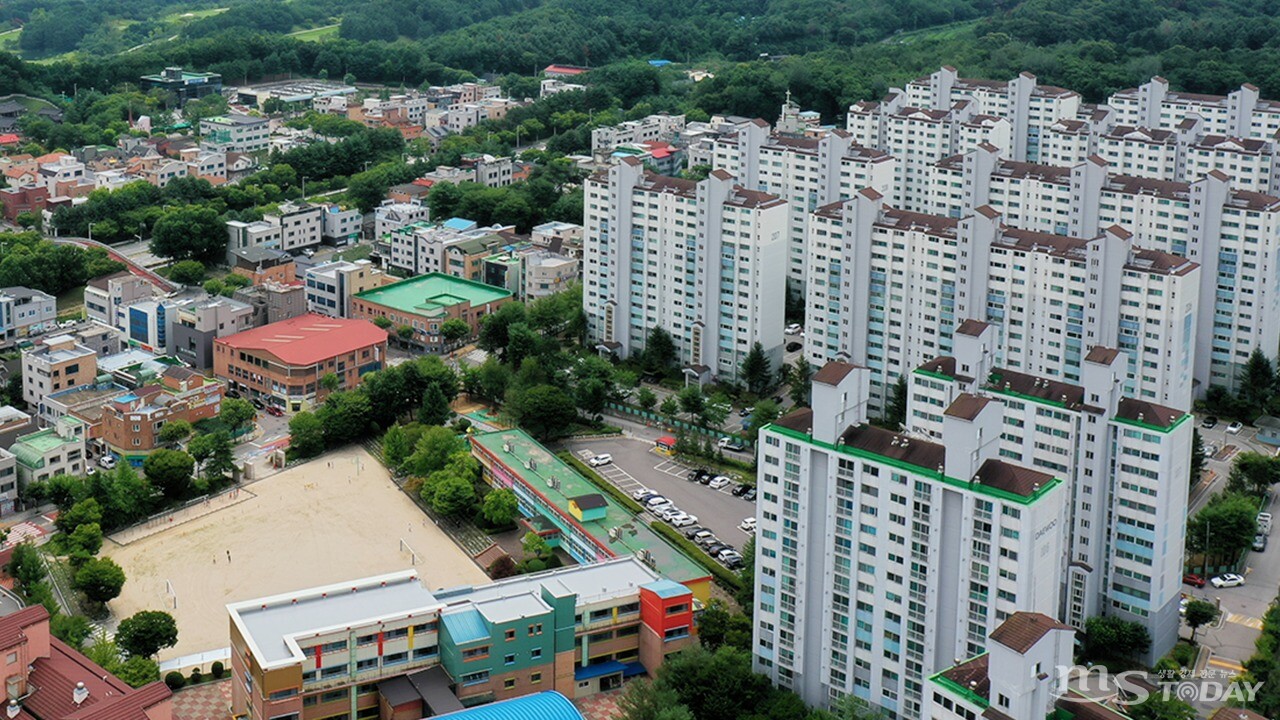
(191,511)
(1227,664)
(601,706)
(209,701)
(1245,620)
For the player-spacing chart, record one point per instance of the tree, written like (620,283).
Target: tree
(84,542)
(495,326)
(1112,637)
(1253,473)
(137,671)
(1224,526)
(175,431)
(670,407)
(145,633)
(432,451)
(534,545)
(25,566)
(83,512)
(591,395)
(659,351)
(346,417)
(236,412)
(895,411)
(100,579)
(451,494)
(187,272)
(435,408)
(545,411)
(306,434)
(801,382)
(756,371)
(765,412)
(127,496)
(383,322)
(395,447)
(330,382)
(649,700)
(646,399)
(1158,707)
(190,232)
(213,453)
(170,471)
(1259,382)
(502,567)
(692,401)
(70,629)
(453,330)
(718,626)
(1197,458)
(1200,613)
(500,507)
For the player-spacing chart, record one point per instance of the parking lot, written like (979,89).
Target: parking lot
(636,465)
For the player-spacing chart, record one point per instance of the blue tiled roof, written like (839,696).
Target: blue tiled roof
(667,588)
(466,626)
(542,706)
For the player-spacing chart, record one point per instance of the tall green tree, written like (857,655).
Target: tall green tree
(236,412)
(145,633)
(170,471)
(659,351)
(756,370)
(1199,613)
(213,453)
(190,232)
(306,434)
(801,382)
(100,579)
(346,417)
(395,447)
(895,412)
(500,507)
(545,411)
(1259,381)
(435,408)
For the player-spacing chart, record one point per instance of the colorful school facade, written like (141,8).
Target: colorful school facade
(386,647)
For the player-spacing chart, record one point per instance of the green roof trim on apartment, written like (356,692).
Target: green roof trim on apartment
(959,689)
(634,535)
(935,375)
(931,473)
(1028,398)
(428,295)
(1149,426)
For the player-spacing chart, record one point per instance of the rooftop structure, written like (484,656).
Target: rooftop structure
(430,295)
(307,339)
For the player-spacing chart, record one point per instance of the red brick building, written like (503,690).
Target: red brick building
(49,680)
(15,201)
(131,423)
(282,363)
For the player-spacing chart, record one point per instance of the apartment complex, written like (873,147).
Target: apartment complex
(387,647)
(420,248)
(425,303)
(896,285)
(1228,231)
(1126,460)
(25,312)
(882,556)
(282,363)
(807,172)
(705,261)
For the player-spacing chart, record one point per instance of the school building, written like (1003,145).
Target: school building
(426,302)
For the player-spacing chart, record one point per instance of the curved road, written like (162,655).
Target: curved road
(135,268)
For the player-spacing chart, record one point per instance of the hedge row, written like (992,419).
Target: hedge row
(609,488)
(722,574)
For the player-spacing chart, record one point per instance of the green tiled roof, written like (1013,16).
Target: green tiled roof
(634,534)
(428,295)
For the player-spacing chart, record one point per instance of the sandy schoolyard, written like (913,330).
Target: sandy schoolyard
(335,518)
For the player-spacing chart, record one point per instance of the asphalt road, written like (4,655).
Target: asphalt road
(636,465)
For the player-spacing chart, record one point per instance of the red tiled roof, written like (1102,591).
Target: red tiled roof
(56,677)
(308,339)
(9,139)
(13,625)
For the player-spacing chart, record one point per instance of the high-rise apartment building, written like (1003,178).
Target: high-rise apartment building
(882,556)
(706,261)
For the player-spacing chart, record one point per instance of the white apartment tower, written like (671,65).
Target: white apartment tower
(706,261)
(806,171)
(888,289)
(882,556)
(1233,234)
(1125,460)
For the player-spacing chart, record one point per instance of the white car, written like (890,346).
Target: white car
(684,520)
(792,329)
(656,502)
(602,459)
(641,493)
(747,525)
(1235,428)
(704,538)
(666,512)
(107,462)
(1227,580)
(720,481)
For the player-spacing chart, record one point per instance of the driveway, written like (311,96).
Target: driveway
(636,465)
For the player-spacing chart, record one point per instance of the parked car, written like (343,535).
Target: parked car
(746,412)
(107,462)
(601,459)
(705,538)
(684,520)
(714,548)
(730,443)
(232,394)
(1193,580)
(689,532)
(90,471)
(258,404)
(793,329)
(1227,580)
(734,563)
(747,525)
(1235,428)
(741,490)
(640,495)
(727,553)
(697,475)
(1210,449)
(719,482)
(655,502)
(1259,543)
(750,495)
(274,410)
(793,346)
(706,479)
(666,512)
(1209,422)
(1264,523)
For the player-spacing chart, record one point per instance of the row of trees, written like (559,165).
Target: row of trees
(28,260)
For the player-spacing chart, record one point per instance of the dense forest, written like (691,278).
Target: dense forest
(828,52)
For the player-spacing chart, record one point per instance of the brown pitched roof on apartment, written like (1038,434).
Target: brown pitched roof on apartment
(101,282)
(1034,241)
(793,143)
(833,372)
(742,197)
(1147,412)
(971,674)
(906,220)
(1102,355)
(1012,478)
(966,406)
(1252,145)
(800,420)
(13,626)
(1081,707)
(942,365)
(1144,134)
(1024,629)
(888,444)
(1253,200)
(833,210)
(1159,262)
(993,714)
(972,327)
(1032,386)
(1148,186)
(1009,168)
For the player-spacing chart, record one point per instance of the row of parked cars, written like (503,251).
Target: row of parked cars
(719,482)
(666,510)
(663,508)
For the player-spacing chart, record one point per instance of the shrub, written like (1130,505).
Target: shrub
(723,575)
(502,567)
(174,680)
(217,669)
(533,565)
(196,677)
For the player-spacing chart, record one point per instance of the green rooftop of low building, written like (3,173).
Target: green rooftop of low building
(429,295)
(31,449)
(558,482)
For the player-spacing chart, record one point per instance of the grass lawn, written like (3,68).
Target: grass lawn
(71,303)
(189,15)
(31,103)
(316,34)
(940,32)
(356,252)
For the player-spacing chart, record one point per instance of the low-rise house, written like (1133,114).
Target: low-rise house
(330,286)
(339,226)
(273,301)
(104,297)
(391,215)
(197,324)
(25,312)
(261,263)
(234,133)
(56,363)
(58,450)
